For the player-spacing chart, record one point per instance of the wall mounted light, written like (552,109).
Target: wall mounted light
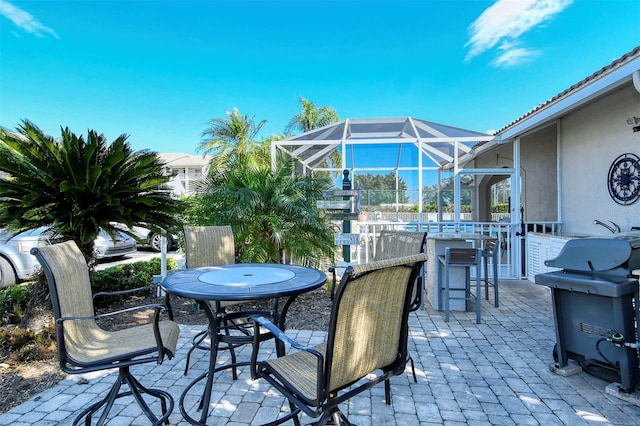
(635,122)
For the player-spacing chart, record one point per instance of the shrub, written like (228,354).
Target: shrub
(126,277)
(500,208)
(25,345)
(13,301)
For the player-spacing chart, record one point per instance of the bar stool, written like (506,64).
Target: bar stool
(460,258)
(491,250)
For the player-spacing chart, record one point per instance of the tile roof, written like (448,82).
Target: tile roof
(593,77)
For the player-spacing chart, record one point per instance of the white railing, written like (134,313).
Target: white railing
(510,236)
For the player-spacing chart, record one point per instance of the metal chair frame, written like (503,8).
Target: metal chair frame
(61,263)
(392,244)
(376,293)
(491,250)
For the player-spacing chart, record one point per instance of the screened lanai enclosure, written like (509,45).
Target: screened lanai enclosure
(411,174)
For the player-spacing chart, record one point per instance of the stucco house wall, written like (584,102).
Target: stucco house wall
(539,175)
(591,138)
(538,171)
(565,165)
(499,157)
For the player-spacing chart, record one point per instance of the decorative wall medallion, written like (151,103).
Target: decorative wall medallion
(624,179)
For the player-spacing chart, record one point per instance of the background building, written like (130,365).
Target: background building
(187,170)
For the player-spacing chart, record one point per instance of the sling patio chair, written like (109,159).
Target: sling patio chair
(491,250)
(463,258)
(368,331)
(211,246)
(391,244)
(83,346)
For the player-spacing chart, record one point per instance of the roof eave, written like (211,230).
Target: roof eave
(563,105)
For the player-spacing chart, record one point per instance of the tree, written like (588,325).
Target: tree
(381,189)
(272,212)
(77,186)
(229,138)
(310,117)
(430,194)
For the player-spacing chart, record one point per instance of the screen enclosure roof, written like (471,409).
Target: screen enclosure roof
(442,146)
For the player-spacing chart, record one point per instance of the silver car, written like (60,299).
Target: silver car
(14,264)
(16,261)
(153,239)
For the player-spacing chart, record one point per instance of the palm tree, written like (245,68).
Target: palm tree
(311,117)
(77,186)
(230,138)
(272,212)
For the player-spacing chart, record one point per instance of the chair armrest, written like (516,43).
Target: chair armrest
(122,292)
(260,321)
(158,307)
(139,289)
(281,335)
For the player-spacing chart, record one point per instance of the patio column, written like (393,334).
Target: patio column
(456,187)
(516,217)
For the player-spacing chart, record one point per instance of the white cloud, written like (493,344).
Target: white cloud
(24,20)
(514,56)
(505,22)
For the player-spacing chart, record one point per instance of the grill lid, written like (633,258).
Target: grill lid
(597,254)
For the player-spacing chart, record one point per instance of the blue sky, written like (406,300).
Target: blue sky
(159,70)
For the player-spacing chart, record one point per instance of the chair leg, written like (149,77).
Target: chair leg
(446,294)
(495,284)
(107,402)
(195,343)
(293,408)
(136,389)
(467,288)
(387,392)
(486,278)
(440,286)
(333,417)
(387,383)
(413,370)
(478,292)
(340,419)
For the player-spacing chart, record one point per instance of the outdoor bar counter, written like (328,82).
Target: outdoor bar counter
(435,246)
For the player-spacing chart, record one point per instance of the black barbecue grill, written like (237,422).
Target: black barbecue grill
(594,298)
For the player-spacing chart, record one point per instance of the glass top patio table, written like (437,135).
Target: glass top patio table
(237,282)
(243,281)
